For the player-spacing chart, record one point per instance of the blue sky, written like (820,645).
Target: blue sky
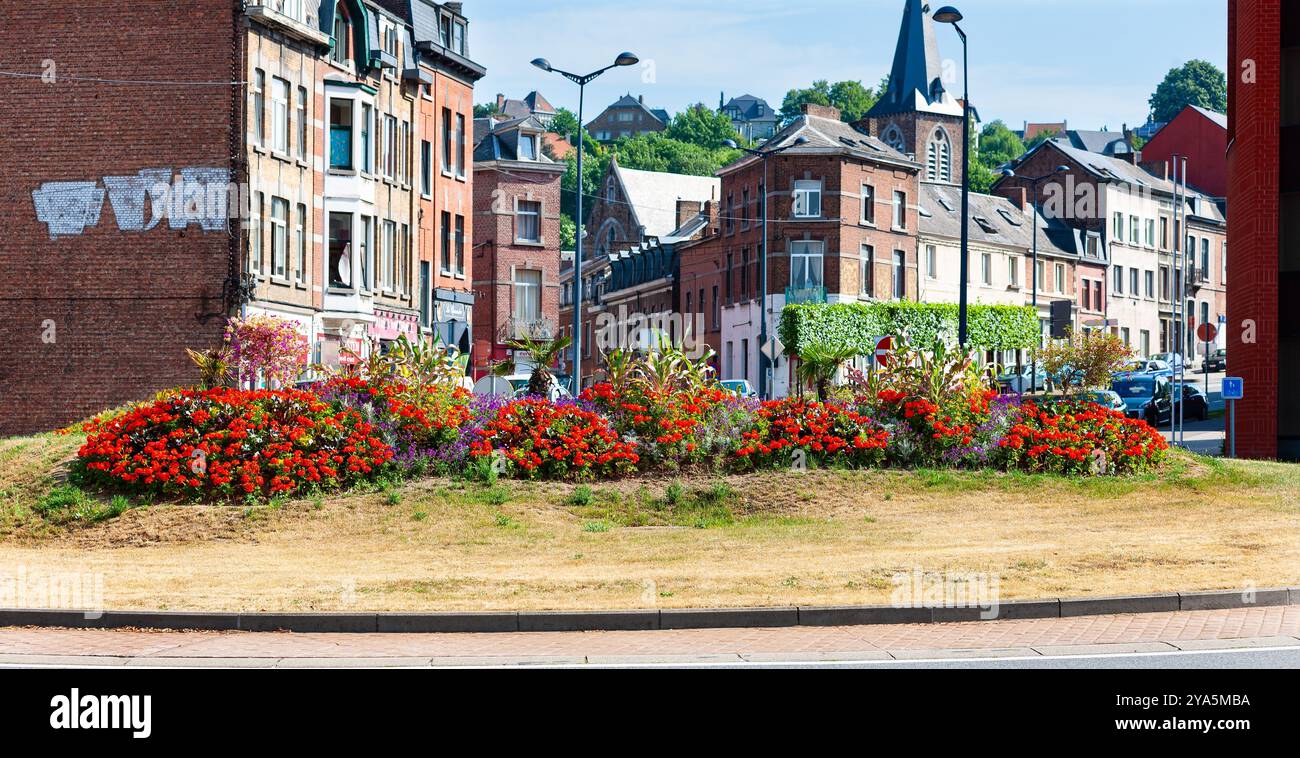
(1092,62)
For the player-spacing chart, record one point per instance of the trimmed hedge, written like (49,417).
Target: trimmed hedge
(857,325)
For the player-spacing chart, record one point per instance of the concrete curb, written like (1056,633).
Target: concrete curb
(600,621)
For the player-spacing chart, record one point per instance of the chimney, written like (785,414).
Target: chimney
(1017,194)
(710,209)
(457,8)
(822,111)
(1158,169)
(501,102)
(687,210)
(640,99)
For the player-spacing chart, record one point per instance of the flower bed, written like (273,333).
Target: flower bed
(788,432)
(673,428)
(539,439)
(1080,438)
(232,443)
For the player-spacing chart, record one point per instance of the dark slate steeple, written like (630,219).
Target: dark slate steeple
(916,80)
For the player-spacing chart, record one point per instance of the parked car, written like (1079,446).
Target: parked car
(1151,366)
(1108,399)
(1216,361)
(516,386)
(1175,360)
(1021,383)
(1198,406)
(1145,396)
(739,387)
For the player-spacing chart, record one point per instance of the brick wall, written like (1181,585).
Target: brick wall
(497,256)
(123,304)
(1254,33)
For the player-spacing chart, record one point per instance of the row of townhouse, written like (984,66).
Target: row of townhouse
(871,212)
(320,155)
(358,161)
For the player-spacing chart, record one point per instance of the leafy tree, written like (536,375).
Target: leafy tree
(595,164)
(483,110)
(1196,82)
(1085,359)
(851,97)
(568,232)
(657,152)
(982,178)
(702,126)
(565,122)
(999,145)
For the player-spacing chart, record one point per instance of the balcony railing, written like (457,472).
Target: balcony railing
(805,295)
(522,328)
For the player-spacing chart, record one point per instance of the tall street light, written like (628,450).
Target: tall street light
(1033,232)
(762,264)
(623,59)
(950,15)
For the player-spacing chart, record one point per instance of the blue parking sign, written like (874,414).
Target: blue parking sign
(1234,388)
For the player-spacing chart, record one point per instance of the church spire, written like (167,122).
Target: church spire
(916,80)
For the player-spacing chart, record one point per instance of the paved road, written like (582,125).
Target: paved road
(1160,639)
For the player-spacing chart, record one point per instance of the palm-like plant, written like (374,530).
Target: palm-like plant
(214,366)
(619,368)
(818,366)
(935,374)
(544,354)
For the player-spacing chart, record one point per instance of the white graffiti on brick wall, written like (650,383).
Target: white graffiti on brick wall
(198,195)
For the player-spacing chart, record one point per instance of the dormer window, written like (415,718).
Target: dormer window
(444,31)
(527,147)
(458,37)
(341,53)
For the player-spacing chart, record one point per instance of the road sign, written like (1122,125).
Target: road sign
(1207,332)
(884,348)
(773,350)
(1234,388)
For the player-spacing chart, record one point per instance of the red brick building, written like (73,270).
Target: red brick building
(516,238)
(280,163)
(100,307)
(842,226)
(1200,136)
(1264,198)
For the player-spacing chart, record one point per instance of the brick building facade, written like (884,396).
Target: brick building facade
(517,238)
(287,132)
(1264,275)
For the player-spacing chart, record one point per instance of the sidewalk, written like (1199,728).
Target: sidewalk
(1277,626)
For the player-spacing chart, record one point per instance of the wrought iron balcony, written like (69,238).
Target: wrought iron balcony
(533,329)
(805,295)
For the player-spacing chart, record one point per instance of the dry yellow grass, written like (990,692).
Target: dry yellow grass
(826,537)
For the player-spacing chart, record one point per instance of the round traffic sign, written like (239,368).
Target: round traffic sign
(884,347)
(1207,332)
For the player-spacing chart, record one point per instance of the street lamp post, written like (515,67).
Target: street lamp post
(624,59)
(950,15)
(1033,232)
(763,155)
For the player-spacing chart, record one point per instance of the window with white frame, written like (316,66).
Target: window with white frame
(527,147)
(938,157)
(1133,282)
(868,204)
(255,234)
(807,198)
(302,123)
(258,92)
(986,269)
(931,262)
(1151,232)
(1013,271)
(388,256)
(806,264)
(426,168)
(1133,229)
(367,249)
(1060,278)
(528,221)
(1118,276)
(900,275)
(900,209)
(300,242)
(280,115)
(1117,227)
(868,270)
(528,295)
(340,133)
(1149,279)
